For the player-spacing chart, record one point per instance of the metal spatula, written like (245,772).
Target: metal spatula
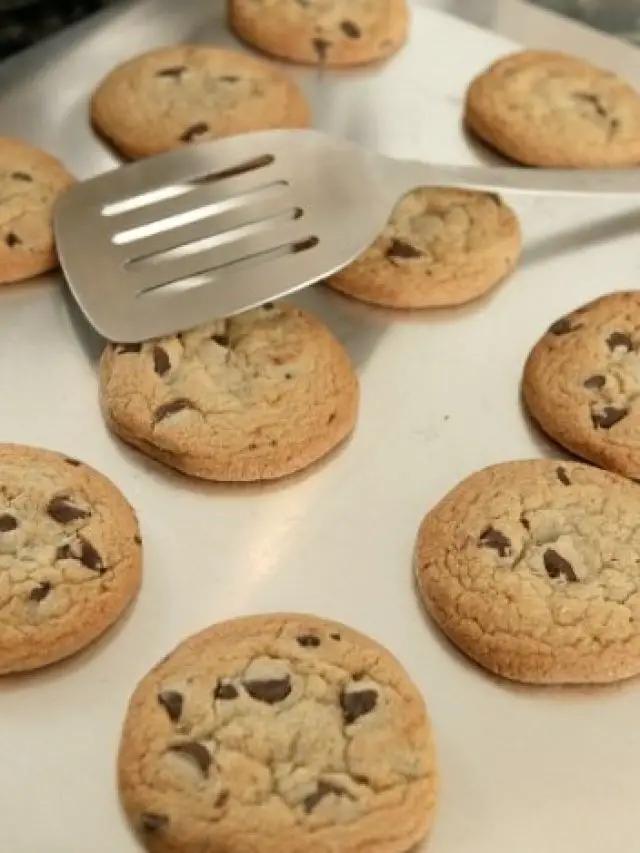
(164,244)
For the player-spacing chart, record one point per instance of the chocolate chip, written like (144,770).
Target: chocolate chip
(359,779)
(402,249)
(153,822)
(172,702)
(221,340)
(172,408)
(90,558)
(225,692)
(22,176)
(63,510)
(270,690)
(335,637)
(176,71)
(122,349)
(331,417)
(7,523)
(350,29)
(221,799)
(323,790)
(194,131)
(492,538)
(308,641)
(556,566)
(619,339)
(229,78)
(563,476)
(608,417)
(137,539)
(524,521)
(359,675)
(321,47)
(594,100)
(562,327)
(161,363)
(64,552)
(595,382)
(40,592)
(71,461)
(356,704)
(268,306)
(288,376)
(12,239)
(195,752)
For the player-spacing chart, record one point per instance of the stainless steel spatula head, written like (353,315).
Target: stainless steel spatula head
(163,244)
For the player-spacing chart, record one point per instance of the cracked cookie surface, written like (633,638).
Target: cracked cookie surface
(582,382)
(177,96)
(70,556)
(258,396)
(322,32)
(548,109)
(533,569)
(30,182)
(282,733)
(440,247)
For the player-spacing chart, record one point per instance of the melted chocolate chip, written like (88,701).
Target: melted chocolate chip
(556,566)
(64,552)
(356,704)
(562,327)
(40,592)
(594,100)
(608,417)
(153,822)
(195,752)
(194,131)
(71,461)
(137,539)
(225,692)
(122,349)
(619,339)
(595,382)
(221,799)
(359,779)
(524,521)
(321,47)
(12,239)
(402,249)
(331,418)
(176,71)
(350,29)
(7,523)
(90,558)
(172,408)
(268,306)
(22,176)
(221,340)
(172,702)
(492,538)
(63,510)
(269,691)
(335,637)
(161,363)
(563,476)
(308,641)
(323,790)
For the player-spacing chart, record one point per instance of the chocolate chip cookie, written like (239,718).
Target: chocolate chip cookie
(30,182)
(582,382)
(440,247)
(255,397)
(533,569)
(281,733)
(70,556)
(178,96)
(322,32)
(548,109)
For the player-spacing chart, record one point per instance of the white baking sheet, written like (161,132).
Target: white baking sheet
(523,770)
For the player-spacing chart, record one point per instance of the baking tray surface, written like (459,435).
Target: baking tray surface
(530,771)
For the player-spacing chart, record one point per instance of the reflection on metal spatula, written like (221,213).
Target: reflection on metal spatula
(158,246)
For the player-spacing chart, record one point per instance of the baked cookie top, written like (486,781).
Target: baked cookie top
(440,247)
(548,109)
(322,32)
(176,96)
(257,396)
(533,569)
(582,382)
(70,556)
(30,182)
(278,733)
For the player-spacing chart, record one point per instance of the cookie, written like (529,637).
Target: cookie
(281,733)
(333,33)
(533,570)
(547,109)
(582,382)
(440,247)
(177,96)
(255,397)
(70,556)
(30,182)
